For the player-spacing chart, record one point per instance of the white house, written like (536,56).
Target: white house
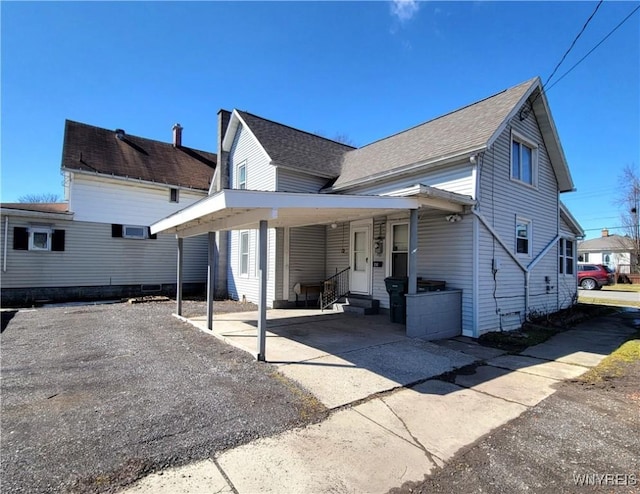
(471,198)
(614,251)
(97,244)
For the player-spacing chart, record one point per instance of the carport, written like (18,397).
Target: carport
(232,209)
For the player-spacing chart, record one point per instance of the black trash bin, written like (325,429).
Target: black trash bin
(397,288)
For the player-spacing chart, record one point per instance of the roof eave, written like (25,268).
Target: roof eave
(23,213)
(407,170)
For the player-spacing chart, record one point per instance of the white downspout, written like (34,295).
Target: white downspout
(6,232)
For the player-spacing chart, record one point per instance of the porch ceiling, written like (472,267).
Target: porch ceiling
(244,209)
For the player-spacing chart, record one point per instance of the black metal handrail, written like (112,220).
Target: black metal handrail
(334,288)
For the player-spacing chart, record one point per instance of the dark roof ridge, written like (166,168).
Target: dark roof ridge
(530,81)
(297,130)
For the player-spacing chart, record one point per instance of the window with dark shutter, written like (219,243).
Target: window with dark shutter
(57,240)
(20,238)
(116,230)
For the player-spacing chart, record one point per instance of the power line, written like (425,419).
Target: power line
(573,43)
(594,48)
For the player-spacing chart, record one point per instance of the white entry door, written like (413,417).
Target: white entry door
(360,259)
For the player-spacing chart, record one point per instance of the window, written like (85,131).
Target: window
(606,258)
(523,236)
(523,160)
(43,238)
(399,249)
(584,257)
(174,195)
(244,253)
(242,175)
(39,238)
(566,256)
(132,231)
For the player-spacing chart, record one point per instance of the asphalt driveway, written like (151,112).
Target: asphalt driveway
(95,396)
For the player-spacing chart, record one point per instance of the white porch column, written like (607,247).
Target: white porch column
(413,252)
(211,277)
(179,277)
(262,294)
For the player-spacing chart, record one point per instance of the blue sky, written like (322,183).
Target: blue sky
(363,69)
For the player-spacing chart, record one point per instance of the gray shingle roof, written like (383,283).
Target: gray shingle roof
(613,243)
(295,148)
(449,135)
(93,149)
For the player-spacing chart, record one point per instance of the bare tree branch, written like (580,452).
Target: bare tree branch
(44,197)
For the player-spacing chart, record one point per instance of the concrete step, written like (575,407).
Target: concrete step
(360,306)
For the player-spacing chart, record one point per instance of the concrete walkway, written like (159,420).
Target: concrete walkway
(380,442)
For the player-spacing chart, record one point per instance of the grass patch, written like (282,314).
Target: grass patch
(585,299)
(614,365)
(311,409)
(542,327)
(620,287)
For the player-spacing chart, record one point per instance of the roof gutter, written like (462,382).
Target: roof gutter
(408,169)
(23,213)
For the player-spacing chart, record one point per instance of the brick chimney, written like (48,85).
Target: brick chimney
(177,135)
(605,232)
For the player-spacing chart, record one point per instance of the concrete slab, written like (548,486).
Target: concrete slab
(471,347)
(337,380)
(553,370)
(346,453)
(441,416)
(518,387)
(582,346)
(202,476)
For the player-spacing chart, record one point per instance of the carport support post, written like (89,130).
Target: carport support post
(262,300)
(211,278)
(413,252)
(179,275)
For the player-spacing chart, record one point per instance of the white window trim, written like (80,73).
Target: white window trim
(518,137)
(389,246)
(562,258)
(40,229)
(241,254)
(144,235)
(520,219)
(241,185)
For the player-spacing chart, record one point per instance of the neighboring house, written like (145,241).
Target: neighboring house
(471,198)
(97,244)
(611,250)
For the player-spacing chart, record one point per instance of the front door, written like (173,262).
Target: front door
(361,259)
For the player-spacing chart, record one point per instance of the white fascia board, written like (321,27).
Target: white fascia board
(230,136)
(571,220)
(266,200)
(21,213)
(409,169)
(426,191)
(516,108)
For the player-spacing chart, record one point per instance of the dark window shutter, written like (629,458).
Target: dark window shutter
(149,235)
(57,240)
(116,230)
(20,238)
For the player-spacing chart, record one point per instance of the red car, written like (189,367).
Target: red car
(594,276)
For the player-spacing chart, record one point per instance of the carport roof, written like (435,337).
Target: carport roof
(239,209)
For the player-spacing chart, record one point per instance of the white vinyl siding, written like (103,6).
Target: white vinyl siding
(241,286)
(102,200)
(291,181)
(568,283)
(337,249)
(501,298)
(454,178)
(306,256)
(259,173)
(92,257)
